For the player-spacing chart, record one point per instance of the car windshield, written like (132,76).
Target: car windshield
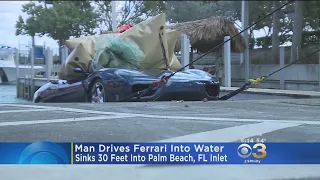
(127,72)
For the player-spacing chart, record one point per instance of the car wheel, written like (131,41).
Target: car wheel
(97,92)
(39,100)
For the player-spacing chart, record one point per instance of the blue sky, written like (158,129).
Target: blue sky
(9,12)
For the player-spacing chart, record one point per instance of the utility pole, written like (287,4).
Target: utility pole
(245,24)
(114,16)
(275,32)
(32,67)
(297,30)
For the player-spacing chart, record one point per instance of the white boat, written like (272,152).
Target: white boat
(8,66)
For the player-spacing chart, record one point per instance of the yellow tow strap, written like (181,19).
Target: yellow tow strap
(257,80)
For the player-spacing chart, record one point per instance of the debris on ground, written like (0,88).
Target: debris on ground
(204,99)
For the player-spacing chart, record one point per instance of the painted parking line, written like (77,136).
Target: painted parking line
(24,105)
(152,116)
(234,133)
(65,120)
(24,110)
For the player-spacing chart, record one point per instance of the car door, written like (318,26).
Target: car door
(69,92)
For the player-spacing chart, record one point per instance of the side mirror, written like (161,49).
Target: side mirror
(78,70)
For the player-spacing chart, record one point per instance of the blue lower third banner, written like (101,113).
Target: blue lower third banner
(159,153)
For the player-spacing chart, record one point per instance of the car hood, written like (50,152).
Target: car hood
(186,75)
(41,89)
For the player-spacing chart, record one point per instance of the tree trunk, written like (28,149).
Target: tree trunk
(191,58)
(275,32)
(33,41)
(250,40)
(297,30)
(61,43)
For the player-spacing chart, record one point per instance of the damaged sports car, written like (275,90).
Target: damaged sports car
(113,67)
(116,84)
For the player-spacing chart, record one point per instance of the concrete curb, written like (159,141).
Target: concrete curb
(276,92)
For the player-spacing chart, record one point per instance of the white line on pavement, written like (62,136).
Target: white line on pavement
(24,110)
(225,119)
(26,106)
(151,116)
(231,134)
(17,123)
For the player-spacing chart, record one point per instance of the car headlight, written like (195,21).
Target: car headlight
(208,74)
(200,83)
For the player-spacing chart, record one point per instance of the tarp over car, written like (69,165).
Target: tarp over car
(139,48)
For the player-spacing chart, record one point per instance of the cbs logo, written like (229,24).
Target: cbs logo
(44,153)
(245,151)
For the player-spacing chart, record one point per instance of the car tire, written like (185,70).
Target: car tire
(97,93)
(39,100)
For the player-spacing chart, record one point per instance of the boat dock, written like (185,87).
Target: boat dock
(26,86)
(35,78)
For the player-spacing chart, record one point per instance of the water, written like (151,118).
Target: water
(8,94)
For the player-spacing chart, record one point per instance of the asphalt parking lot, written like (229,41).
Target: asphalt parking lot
(276,120)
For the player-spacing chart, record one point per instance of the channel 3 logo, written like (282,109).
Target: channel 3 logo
(258,151)
(44,153)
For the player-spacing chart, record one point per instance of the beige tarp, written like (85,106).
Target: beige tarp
(173,36)
(79,57)
(144,34)
(88,42)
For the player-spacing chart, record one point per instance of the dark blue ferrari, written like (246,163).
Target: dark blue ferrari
(117,84)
